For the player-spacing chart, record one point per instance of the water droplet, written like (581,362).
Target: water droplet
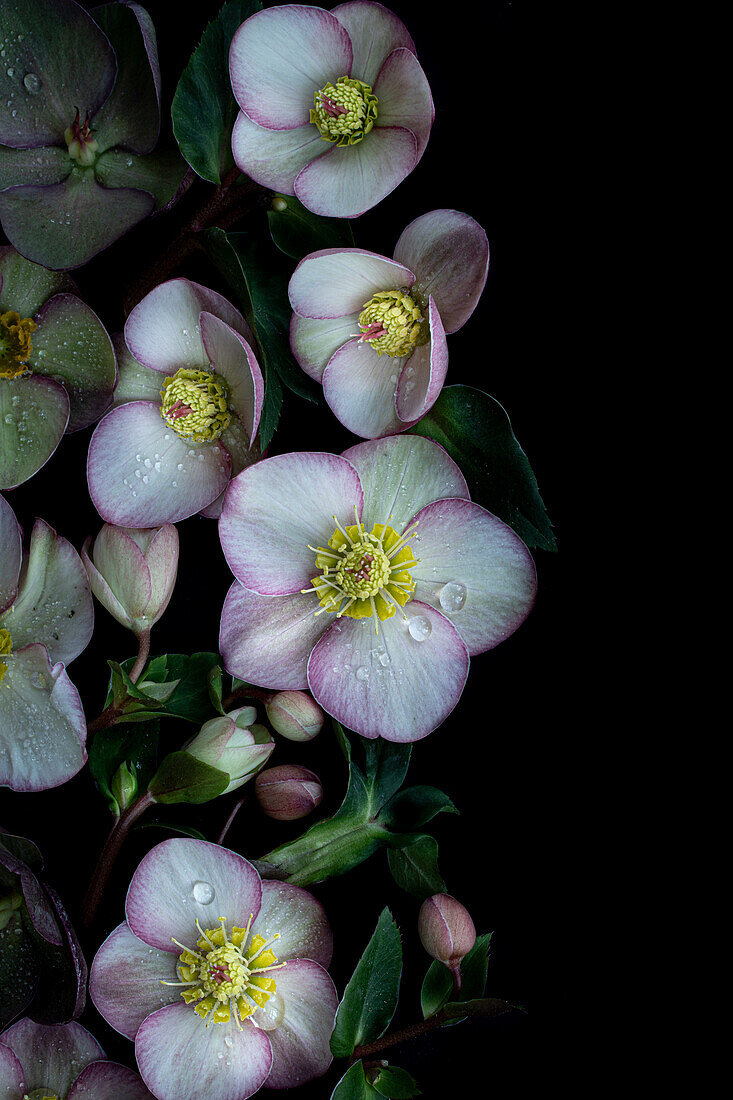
(452,596)
(419,628)
(362,673)
(384,660)
(32,83)
(272,1013)
(203,892)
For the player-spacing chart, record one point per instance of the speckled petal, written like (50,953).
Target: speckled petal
(300,920)
(34,412)
(375,32)
(125,980)
(11,546)
(48,165)
(51,1056)
(301,1044)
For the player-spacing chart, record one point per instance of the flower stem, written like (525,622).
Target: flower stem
(487,1006)
(248,693)
(109,854)
(143,653)
(230,820)
(111,713)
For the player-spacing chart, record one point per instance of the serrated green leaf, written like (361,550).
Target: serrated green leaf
(476,432)
(396,1083)
(414,866)
(183,778)
(204,109)
(371,996)
(386,767)
(354,1085)
(296,231)
(414,807)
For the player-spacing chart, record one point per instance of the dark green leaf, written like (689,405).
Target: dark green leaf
(386,768)
(437,987)
(183,778)
(181,830)
(370,998)
(19,969)
(396,1083)
(137,744)
(296,231)
(215,680)
(172,685)
(476,432)
(414,866)
(343,741)
(204,109)
(354,1085)
(414,807)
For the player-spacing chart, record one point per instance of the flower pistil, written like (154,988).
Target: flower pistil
(195,404)
(345,111)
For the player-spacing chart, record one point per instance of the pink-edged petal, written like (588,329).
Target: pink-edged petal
(314,342)
(301,1044)
(401,475)
(449,253)
(266,640)
(280,58)
(236,439)
(335,282)
(276,508)
(108,1081)
(360,388)
(42,726)
(135,382)
(404,96)
(354,178)
(25,286)
(34,412)
(11,1075)
(424,373)
(161,903)
(487,567)
(124,568)
(54,603)
(51,1056)
(141,474)
(273,158)
(375,32)
(400,684)
(11,548)
(163,330)
(125,980)
(232,357)
(179,1057)
(301,921)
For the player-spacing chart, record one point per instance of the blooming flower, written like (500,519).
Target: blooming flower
(218,977)
(334,105)
(61,1062)
(46,620)
(233,743)
(79,120)
(369,578)
(57,365)
(372,330)
(187,409)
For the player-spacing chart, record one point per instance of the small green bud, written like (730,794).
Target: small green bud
(124,786)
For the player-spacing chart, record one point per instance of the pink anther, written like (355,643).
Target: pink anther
(374,332)
(333,109)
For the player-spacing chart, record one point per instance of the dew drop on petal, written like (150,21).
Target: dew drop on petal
(272,1013)
(452,596)
(203,892)
(362,673)
(419,628)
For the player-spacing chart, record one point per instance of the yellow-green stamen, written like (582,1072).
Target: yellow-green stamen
(345,111)
(83,148)
(6,648)
(15,344)
(195,404)
(391,322)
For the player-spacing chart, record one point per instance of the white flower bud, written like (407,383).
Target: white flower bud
(234,745)
(132,572)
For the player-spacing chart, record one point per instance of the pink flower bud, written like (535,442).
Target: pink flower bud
(132,572)
(288,792)
(446,929)
(295,715)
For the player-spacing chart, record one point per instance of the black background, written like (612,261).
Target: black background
(480,159)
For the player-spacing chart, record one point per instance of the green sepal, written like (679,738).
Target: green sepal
(370,998)
(19,969)
(413,862)
(354,1085)
(437,987)
(135,745)
(183,778)
(296,231)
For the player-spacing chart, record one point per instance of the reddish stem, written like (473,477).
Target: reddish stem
(109,854)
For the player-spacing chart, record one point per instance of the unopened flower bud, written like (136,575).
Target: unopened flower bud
(288,792)
(295,715)
(234,744)
(446,929)
(132,572)
(124,786)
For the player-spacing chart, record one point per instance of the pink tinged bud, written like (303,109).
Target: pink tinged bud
(445,928)
(132,572)
(288,792)
(295,715)
(233,744)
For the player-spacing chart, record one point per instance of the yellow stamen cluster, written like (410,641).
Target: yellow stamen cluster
(227,977)
(40,1094)
(345,111)
(391,322)
(370,571)
(6,648)
(195,404)
(15,344)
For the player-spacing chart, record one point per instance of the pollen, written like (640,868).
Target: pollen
(195,405)
(15,344)
(392,323)
(6,648)
(345,111)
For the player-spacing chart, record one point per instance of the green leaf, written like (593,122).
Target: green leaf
(370,998)
(354,1085)
(296,231)
(414,807)
(215,680)
(173,685)
(386,767)
(476,432)
(204,109)
(342,739)
(396,1083)
(414,866)
(19,969)
(135,744)
(183,778)
(437,988)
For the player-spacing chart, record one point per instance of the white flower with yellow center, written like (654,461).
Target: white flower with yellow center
(217,976)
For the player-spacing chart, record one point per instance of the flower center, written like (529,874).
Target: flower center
(82,146)
(345,111)
(228,977)
(40,1094)
(369,570)
(391,322)
(6,648)
(15,344)
(195,404)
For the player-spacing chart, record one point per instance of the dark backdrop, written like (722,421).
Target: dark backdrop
(480,159)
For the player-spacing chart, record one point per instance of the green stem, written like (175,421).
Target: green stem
(487,1006)
(109,854)
(111,713)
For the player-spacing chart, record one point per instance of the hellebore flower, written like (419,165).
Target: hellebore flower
(218,977)
(288,792)
(446,930)
(187,409)
(234,744)
(369,578)
(46,621)
(62,1062)
(79,119)
(372,330)
(132,572)
(334,105)
(57,365)
(295,716)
